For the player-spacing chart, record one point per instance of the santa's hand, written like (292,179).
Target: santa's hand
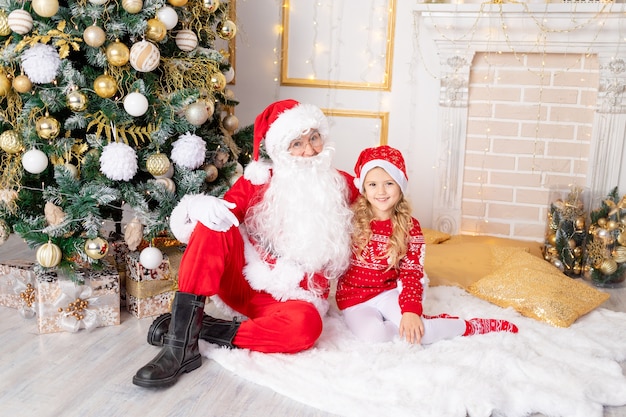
(212,212)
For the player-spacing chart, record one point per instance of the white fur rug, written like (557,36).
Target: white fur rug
(558,372)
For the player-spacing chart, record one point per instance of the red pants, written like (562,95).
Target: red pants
(213,264)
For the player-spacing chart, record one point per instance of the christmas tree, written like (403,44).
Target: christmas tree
(108,108)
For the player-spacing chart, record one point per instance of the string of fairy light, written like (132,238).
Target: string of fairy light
(542,21)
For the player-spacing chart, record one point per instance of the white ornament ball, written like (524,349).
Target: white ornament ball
(118,161)
(151,257)
(20,21)
(73,170)
(45,8)
(229,74)
(144,56)
(239,169)
(94,36)
(136,104)
(97,2)
(186,40)
(197,113)
(35,161)
(189,151)
(168,16)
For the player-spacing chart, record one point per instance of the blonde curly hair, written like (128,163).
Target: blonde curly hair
(401,223)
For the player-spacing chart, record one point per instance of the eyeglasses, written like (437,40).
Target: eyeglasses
(299,146)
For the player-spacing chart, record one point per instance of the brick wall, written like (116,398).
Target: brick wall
(529,128)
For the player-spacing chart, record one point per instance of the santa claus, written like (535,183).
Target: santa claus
(267,250)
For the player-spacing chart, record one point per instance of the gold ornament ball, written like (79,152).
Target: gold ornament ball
(5,85)
(117,54)
(211,173)
(611,224)
(45,8)
(77,100)
(608,267)
(602,222)
(49,255)
(197,113)
(167,183)
(230,123)
(621,239)
(551,239)
(226,29)
(48,127)
(177,3)
(218,81)
(94,36)
(10,142)
(96,248)
(211,5)
(105,86)
(619,254)
(156,30)
(158,164)
(580,223)
(5,29)
(22,84)
(132,6)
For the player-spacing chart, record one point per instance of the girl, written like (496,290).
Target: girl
(381,293)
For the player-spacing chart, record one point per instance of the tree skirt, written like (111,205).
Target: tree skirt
(558,372)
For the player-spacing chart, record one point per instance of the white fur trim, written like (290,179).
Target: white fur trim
(395,173)
(282,281)
(291,123)
(181,224)
(225,309)
(258,172)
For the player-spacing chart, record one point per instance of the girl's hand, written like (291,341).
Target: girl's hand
(411,327)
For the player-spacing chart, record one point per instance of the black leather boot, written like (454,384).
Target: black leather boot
(180,345)
(214,330)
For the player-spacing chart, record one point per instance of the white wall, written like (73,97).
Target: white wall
(257,85)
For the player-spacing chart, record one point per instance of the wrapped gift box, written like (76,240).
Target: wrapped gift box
(117,253)
(17,285)
(149,292)
(66,305)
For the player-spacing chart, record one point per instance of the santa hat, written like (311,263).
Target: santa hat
(385,157)
(279,124)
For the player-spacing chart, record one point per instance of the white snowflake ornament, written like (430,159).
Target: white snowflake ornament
(41,63)
(118,161)
(189,151)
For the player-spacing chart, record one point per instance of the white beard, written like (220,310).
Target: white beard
(304,215)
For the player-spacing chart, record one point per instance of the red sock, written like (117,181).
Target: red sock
(482,326)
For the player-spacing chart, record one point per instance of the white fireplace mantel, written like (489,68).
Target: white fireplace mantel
(461,30)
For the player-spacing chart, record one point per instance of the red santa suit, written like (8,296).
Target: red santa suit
(293,237)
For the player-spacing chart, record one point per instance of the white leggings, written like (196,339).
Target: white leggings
(378,320)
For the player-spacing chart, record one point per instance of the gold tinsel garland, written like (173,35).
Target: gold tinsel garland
(186,73)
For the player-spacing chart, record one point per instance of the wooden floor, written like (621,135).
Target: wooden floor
(89,373)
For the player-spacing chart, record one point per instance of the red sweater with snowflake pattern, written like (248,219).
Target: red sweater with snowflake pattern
(367,277)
